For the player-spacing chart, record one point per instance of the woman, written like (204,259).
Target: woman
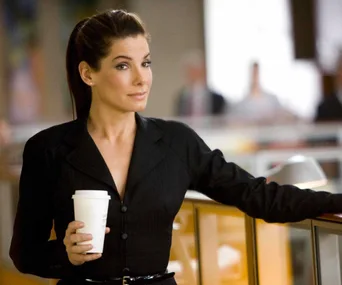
(145,164)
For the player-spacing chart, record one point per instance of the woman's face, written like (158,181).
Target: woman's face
(124,79)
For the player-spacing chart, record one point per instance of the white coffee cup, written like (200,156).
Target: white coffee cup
(91,208)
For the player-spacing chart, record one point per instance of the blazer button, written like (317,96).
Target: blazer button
(124,209)
(124,236)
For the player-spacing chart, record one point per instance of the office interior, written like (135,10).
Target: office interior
(285,51)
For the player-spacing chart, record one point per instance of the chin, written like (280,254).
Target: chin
(139,107)
(135,109)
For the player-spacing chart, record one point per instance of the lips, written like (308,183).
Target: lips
(138,94)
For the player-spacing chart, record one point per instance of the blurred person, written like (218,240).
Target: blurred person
(330,109)
(258,106)
(196,98)
(145,164)
(5,133)
(5,142)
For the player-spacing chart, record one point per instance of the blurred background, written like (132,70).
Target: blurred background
(284,51)
(261,80)
(293,45)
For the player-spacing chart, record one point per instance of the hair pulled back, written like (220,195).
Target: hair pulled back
(90,41)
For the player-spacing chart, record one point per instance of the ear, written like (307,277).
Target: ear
(86,73)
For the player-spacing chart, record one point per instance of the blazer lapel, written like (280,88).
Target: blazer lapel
(147,151)
(85,156)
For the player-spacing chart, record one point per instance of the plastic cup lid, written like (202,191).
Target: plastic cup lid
(91,194)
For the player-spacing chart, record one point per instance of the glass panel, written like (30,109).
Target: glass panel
(222,246)
(330,253)
(183,258)
(284,254)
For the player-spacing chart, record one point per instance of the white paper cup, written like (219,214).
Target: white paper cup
(91,208)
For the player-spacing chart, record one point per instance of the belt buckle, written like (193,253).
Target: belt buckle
(126,280)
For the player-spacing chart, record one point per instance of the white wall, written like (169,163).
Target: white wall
(329,25)
(238,32)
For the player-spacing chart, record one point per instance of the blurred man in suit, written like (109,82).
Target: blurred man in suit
(330,109)
(259,106)
(195,98)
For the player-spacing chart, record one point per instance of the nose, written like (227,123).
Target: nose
(139,76)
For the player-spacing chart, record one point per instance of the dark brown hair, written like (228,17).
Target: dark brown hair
(90,41)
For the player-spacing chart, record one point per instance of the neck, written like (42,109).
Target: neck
(111,126)
(255,91)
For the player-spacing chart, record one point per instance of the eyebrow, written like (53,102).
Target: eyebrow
(127,57)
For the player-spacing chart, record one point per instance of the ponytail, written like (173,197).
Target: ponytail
(79,91)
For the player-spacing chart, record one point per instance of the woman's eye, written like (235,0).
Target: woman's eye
(147,63)
(121,66)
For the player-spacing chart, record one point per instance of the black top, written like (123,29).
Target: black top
(168,158)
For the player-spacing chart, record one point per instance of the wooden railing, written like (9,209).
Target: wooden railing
(222,245)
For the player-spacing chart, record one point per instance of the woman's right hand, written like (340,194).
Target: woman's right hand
(76,253)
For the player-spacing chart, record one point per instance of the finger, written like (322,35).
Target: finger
(80,249)
(77,257)
(85,257)
(76,238)
(92,256)
(107,230)
(73,226)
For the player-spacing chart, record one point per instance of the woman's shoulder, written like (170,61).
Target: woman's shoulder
(176,134)
(171,127)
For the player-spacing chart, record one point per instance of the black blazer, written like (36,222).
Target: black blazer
(168,158)
(329,110)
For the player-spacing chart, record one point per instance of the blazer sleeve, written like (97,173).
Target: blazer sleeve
(31,250)
(229,184)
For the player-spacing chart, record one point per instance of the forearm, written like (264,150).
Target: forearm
(275,203)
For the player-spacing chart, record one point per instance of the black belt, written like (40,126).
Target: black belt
(136,280)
